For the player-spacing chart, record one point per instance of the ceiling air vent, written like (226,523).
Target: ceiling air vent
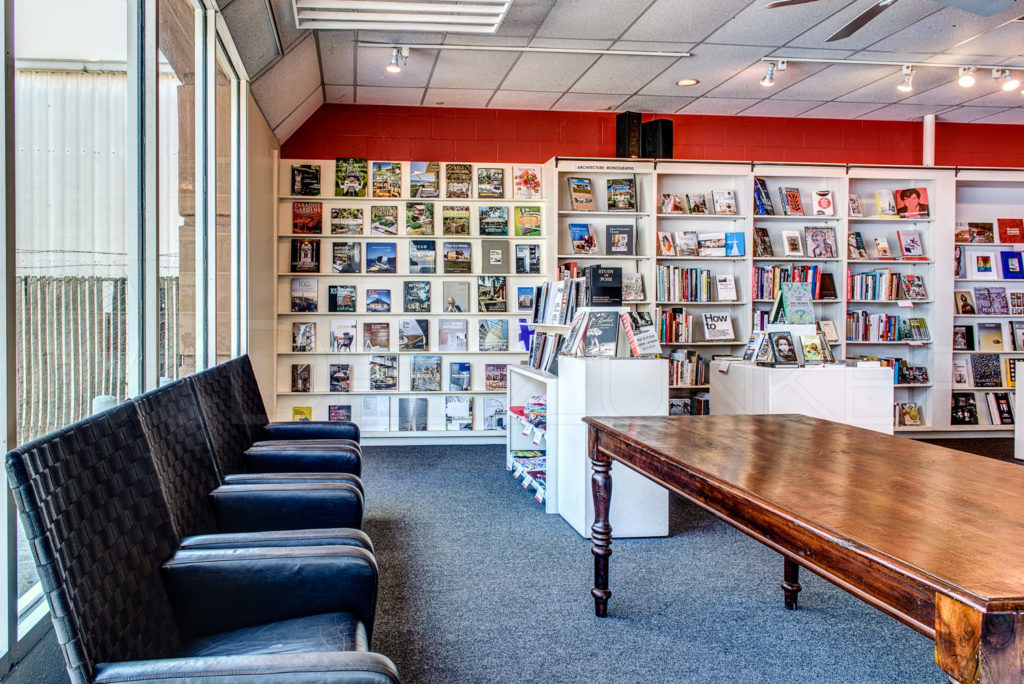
(478,16)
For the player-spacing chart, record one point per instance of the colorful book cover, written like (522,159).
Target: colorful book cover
(381,257)
(791,203)
(697,203)
(496,376)
(821,242)
(425,374)
(419,218)
(583,239)
(302,414)
(383,372)
(384,220)
(417,296)
(351,175)
(304,295)
(735,244)
(341,298)
(621,194)
(387,179)
(526,182)
(378,301)
(910,244)
(491,294)
(303,336)
(424,179)
(528,260)
(301,379)
(824,205)
(490,183)
(1010,229)
(413,334)
(581,195)
(460,377)
(525,298)
(451,334)
(339,376)
(911,202)
(346,220)
(458,257)
(986,371)
(458,179)
(458,413)
(343,335)
(347,258)
(307,218)
(527,221)
(493,335)
(886,204)
(305,180)
(493,220)
(981,232)
(305,255)
(724,201)
(376,336)
(339,412)
(455,219)
(422,256)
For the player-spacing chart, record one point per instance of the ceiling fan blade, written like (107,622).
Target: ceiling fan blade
(862,19)
(786,3)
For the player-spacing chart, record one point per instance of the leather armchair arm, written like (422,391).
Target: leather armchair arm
(321,429)
(342,667)
(320,537)
(219,590)
(308,479)
(295,457)
(258,508)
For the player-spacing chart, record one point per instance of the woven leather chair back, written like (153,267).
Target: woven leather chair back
(222,416)
(96,520)
(254,412)
(182,456)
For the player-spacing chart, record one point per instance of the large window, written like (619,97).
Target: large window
(225,189)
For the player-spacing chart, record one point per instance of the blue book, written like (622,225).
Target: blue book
(734,244)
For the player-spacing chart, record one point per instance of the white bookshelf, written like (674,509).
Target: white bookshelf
(524,383)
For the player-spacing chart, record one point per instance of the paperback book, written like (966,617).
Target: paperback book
(456,296)
(735,244)
(302,414)
(911,248)
(343,335)
(724,201)
(528,260)
(711,244)
(911,202)
(339,377)
(455,219)
(964,409)
(493,335)
(375,414)
(451,334)
(824,205)
(495,376)
(307,218)
(1010,229)
(601,333)
(495,413)
(305,180)
(632,287)
(491,294)
(665,245)
(791,204)
(339,412)
(697,203)
(717,326)
(762,243)
(387,179)
(583,239)
(672,204)
(526,182)
(301,380)
(426,373)
(350,177)
(458,180)
(346,220)
(525,298)
(412,414)
(416,297)
(821,242)
(413,334)
(376,336)
(383,372)
(304,295)
(303,336)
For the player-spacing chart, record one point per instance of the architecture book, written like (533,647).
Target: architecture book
(413,334)
(422,256)
(457,257)
(303,336)
(301,379)
(339,377)
(493,220)
(347,258)
(581,195)
(491,296)
(351,177)
(425,372)
(346,220)
(458,413)
(493,335)
(424,179)
(455,219)
(455,294)
(494,256)
(375,414)
(305,255)
(724,201)
(383,372)
(416,296)
(381,257)
(304,295)
(583,239)
(460,376)
(452,334)
(458,180)
(339,412)
(387,179)
(343,335)
(384,220)
(495,376)
(490,183)
(527,259)
(621,194)
(302,414)
(305,180)
(376,336)
(307,218)
(412,414)
(527,221)
(378,300)
(419,218)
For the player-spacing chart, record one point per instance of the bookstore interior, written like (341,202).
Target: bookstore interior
(357,220)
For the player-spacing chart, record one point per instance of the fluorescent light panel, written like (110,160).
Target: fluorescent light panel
(479,16)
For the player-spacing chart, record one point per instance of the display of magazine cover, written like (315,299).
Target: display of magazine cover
(303,336)
(305,180)
(425,374)
(413,334)
(346,220)
(424,179)
(383,372)
(304,295)
(351,177)
(458,413)
(417,296)
(387,179)
(493,334)
(307,218)
(339,375)
(384,220)
(419,218)
(347,258)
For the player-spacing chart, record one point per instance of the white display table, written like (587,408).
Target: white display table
(858,396)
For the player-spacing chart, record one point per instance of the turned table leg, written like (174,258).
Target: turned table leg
(791,582)
(601,530)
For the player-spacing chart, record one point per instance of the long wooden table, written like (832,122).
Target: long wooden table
(931,536)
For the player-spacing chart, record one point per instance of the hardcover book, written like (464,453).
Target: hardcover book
(1013,265)
(583,239)
(824,205)
(307,218)
(821,242)
(980,232)
(697,203)
(381,257)
(910,245)
(387,179)
(828,328)
(494,256)
(762,198)
(303,336)
(711,244)
(911,202)
(791,204)
(601,333)
(687,243)
(964,410)
(960,375)
(491,294)
(378,300)
(458,181)
(305,256)
(451,334)
(301,378)
(735,244)
(306,180)
(376,336)
(793,304)
(424,179)
(346,220)
(1016,302)
(422,256)
(717,326)
(672,204)
(458,413)
(827,290)
(791,244)
(1010,229)
(490,183)
(990,336)
(455,294)
(495,413)
(347,258)
(343,335)
(783,348)
(525,298)
(621,194)
(304,295)
(455,219)
(856,210)
(882,248)
(581,195)
(762,243)
(493,335)
(425,374)
(460,378)
(412,414)
(416,296)
(913,286)
(302,414)
(339,412)
(493,220)
(1001,407)
(811,347)
(724,201)
(855,247)
(986,371)
(384,220)
(964,303)
(909,413)
(963,338)
(495,376)
(983,265)
(886,205)
(383,373)
(632,287)
(419,218)
(528,260)
(665,245)
(526,182)
(350,177)
(375,414)
(339,376)
(618,240)
(725,284)
(527,221)
(605,285)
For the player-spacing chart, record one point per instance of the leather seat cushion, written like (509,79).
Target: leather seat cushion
(315,633)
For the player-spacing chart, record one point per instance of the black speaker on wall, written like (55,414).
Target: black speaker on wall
(627,134)
(657,139)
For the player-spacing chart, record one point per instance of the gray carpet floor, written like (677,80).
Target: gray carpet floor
(478,584)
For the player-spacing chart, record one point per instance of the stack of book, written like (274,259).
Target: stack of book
(684,284)
(687,368)
(864,326)
(675,326)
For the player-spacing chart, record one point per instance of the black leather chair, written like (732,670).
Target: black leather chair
(127,607)
(201,505)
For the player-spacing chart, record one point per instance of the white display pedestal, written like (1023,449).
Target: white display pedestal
(525,382)
(858,396)
(607,387)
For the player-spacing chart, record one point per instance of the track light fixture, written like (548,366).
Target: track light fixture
(1007,80)
(393,66)
(966,79)
(768,79)
(908,79)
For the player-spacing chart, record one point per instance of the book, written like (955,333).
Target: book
(304,295)
(490,294)
(827,287)
(882,250)
(1000,407)
(305,179)
(378,300)
(416,296)
(762,198)
(419,218)
(458,181)
(343,335)
(384,220)
(347,258)
(711,244)
(583,239)
(981,232)
(697,203)
(783,348)
(793,304)
(908,413)
(375,414)
(451,334)
(1016,302)
(376,336)
(581,195)
(724,201)
(495,413)
(493,335)
(913,286)
(525,297)
(424,179)
(301,381)
(911,202)
(717,326)
(350,177)
(856,210)
(346,220)
(305,255)
(964,409)
(914,375)
(735,244)
(791,244)
(339,412)
(455,295)
(762,243)
(911,248)
(303,336)
(527,260)
(855,247)
(527,221)
(455,219)
(307,218)
(458,413)
(824,205)
(302,414)
(632,287)
(490,182)
(791,204)
(458,257)
(460,377)
(964,303)
(618,240)
(495,376)
(1010,376)
(811,347)
(605,285)
(526,182)
(381,257)
(1010,229)
(821,242)
(725,284)
(493,220)
(422,256)
(960,376)
(672,204)
(991,301)
(990,336)
(959,265)
(687,243)
(986,371)
(387,179)
(621,194)
(383,372)
(885,203)
(339,376)
(829,330)
(494,256)
(963,338)
(601,333)
(1017,335)
(412,414)
(413,334)
(1013,265)
(425,374)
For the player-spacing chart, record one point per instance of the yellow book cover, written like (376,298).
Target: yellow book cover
(302,414)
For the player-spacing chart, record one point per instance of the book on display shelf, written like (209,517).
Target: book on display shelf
(493,221)
(1010,229)
(413,334)
(419,218)
(812,349)
(347,257)
(1010,374)
(526,182)
(601,333)
(1016,298)
(303,295)
(1017,335)
(762,243)
(491,295)
(990,336)
(412,414)
(824,204)
(986,370)
(783,349)
(1000,407)
(378,300)
(885,204)
(458,180)
(914,375)
(672,204)
(495,413)
(387,179)
(618,240)
(991,301)
(307,218)
(302,414)
(963,338)
(460,376)
(376,336)
(964,409)
(425,374)
(525,297)
(583,239)
(384,220)
(882,250)
(305,255)
(908,414)
(375,414)
(725,286)
(458,257)
(424,179)
(495,376)
(718,326)
(452,334)
(527,260)
(383,372)
(455,219)
(343,335)
(339,412)
(490,183)
(911,202)
(381,257)
(711,244)
(735,244)
(697,203)
(791,204)
(828,328)
(821,242)
(604,285)
(724,201)
(793,304)
(494,256)
(493,335)
(913,286)
(621,194)
(339,377)
(303,336)
(581,194)
(911,248)
(665,245)
(686,243)
(827,287)
(458,413)
(351,176)
(1012,265)
(632,287)
(762,198)
(791,243)
(455,294)
(301,378)
(527,221)
(346,220)
(961,376)
(856,210)
(306,180)
(422,256)
(855,247)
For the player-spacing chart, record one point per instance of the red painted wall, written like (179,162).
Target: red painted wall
(497,135)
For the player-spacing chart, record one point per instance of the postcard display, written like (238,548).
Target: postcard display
(398,288)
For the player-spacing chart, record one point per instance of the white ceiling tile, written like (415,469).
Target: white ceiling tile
(877,56)
(717,106)
(894,18)
(471,68)
(613,74)
(840,110)
(456,97)
(340,94)
(758,25)
(969,114)
(902,112)
(573,43)
(523,99)
(252,31)
(659,104)
(829,82)
(884,90)
(1005,40)
(1009,116)
(547,71)
(288,83)
(950,93)
(670,20)
(401,37)
(389,96)
(944,29)
(589,19)
(710,64)
(651,46)
(524,17)
(338,56)
(296,118)
(589,102)
(778,108)
(999,98)
(747,83)
(370,63)
(285,14)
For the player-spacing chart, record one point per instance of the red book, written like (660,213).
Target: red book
(1010,229)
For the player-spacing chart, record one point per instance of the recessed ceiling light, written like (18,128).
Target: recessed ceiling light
(683,82)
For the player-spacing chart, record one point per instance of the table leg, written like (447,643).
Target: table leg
(601,530)
(976,647)
(791,582)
